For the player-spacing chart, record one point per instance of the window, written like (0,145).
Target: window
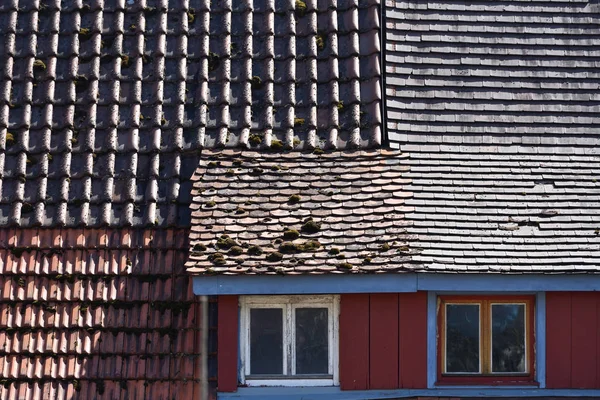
(485,339)
(289,340)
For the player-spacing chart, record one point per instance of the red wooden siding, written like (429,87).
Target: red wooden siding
(227,344)
(572,338)
(354,342)
(383,341)
(413,340)
(583,339)
(558,340)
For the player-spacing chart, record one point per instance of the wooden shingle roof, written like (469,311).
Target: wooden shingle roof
(497,105)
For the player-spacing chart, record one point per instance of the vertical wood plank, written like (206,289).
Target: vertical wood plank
(583,340)
(412,312)
(354,341)
(383,341)
(227,344)
(558,340)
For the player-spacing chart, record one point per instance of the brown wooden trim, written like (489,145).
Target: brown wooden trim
(486,377)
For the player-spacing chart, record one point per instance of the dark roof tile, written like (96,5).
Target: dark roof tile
(105,106)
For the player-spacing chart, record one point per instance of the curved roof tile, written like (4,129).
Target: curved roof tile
(105,105)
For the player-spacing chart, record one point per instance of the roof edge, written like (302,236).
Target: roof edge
(395,283)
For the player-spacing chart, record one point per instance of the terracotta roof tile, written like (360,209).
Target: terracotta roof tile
(91,313)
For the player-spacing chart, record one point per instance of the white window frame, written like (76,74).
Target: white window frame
(289,304)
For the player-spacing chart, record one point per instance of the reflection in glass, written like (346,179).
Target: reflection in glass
(311,341)
(266,341)
(508,338)
(462,338)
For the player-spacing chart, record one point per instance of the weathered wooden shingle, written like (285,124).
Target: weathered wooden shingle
(340,212)
(497,106)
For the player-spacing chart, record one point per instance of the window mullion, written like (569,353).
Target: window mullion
(289,351)
(486,337)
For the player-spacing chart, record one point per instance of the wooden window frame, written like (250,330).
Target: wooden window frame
(288,304)
(485,377)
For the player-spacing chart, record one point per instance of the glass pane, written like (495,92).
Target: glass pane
(266,341)
(312,354)
(508,338)
(462,338)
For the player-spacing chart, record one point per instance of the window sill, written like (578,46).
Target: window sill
(279,382)
(487,380)
(335,393)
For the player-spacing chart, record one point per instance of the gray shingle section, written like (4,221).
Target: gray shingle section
(497,105)
(473,210)
(470,72)
(105,105)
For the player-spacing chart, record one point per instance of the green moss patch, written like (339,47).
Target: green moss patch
(255,250)
(291,234)
(291,248)
(276,256)
(225,242)
(256,83)
(293,199)
(276,145)
(10,139)
(255,139)
(191,15)
(217,258)
(311,226)
(320,42)
(214,61)
(300,10)
(199,247)
(236,250)
(39,65)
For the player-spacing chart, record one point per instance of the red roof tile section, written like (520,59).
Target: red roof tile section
(298,213)
(99,313)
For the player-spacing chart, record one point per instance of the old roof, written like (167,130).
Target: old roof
(104,105)
(260,213)
(97,313)
(497,105)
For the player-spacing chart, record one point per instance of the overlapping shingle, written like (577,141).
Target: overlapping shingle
(97,314)
(104,105)
(478,212)
(497,106)
(340,212)
(510,72)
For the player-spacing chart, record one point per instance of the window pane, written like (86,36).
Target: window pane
(462,338)
(312,354)
(266,341)
(508,338)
